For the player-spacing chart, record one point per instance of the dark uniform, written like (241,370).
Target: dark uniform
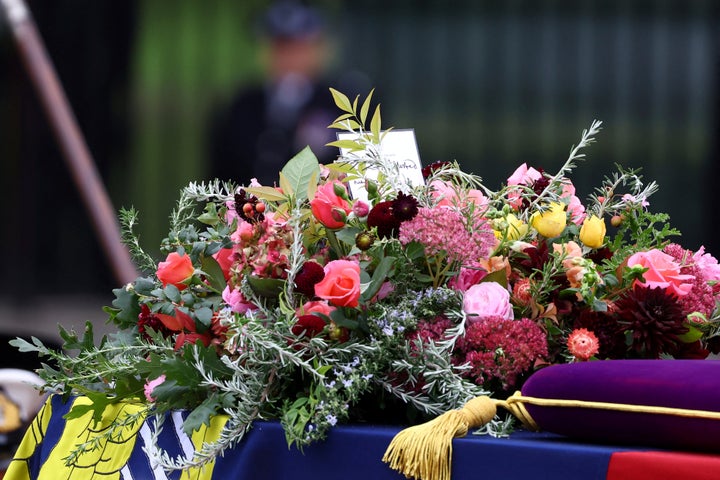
(265,126)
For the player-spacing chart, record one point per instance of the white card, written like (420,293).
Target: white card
(398,146)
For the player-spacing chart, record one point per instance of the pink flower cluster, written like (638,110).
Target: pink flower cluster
(705,273)
(444,229)
(500,349)
(260,249)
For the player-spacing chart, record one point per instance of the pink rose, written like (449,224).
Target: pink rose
(150,386)
(445,196)
(236,300)
(175,270)
(467,278)
(328,207)
(487,299)
(315,306)
(662,272)
(521,176)
(341,285)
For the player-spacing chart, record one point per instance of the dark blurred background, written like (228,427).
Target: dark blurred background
(491,84)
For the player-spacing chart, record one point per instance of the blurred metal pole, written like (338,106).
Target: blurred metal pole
(68,135)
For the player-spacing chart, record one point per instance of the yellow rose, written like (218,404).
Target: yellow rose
(511,228)
(592,232)
(551,222)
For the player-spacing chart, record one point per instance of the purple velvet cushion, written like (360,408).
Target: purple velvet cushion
(687,384)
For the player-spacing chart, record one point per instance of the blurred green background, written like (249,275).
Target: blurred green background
(491,84)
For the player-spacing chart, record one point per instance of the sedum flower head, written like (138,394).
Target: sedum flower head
(445,230)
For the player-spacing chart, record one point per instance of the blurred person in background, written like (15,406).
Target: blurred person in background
(266,125)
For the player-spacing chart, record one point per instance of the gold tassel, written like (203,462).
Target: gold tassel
(425,451)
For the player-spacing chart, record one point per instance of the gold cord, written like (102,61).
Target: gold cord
(425,451)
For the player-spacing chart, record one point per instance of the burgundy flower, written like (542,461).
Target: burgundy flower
(501,350)
(604,326)
(249,207)
(310,325)
(381,216)
(404,207)
(429,169)
(653,318)
(148,320)
(310,274)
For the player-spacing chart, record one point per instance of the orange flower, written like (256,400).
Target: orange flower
(583,344)
(175,270)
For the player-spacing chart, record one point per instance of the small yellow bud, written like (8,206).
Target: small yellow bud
(592,232)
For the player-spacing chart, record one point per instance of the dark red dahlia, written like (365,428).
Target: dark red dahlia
(381,216)
(148,320)
(310,274)
(249,207)
(404,207)
(429,169)
(653,319)
(310,325)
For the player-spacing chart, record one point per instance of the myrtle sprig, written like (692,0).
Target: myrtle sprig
(551,192)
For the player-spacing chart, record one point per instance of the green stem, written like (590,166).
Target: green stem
(335,244)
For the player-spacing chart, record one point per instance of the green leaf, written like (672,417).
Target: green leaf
(201,415)
(375,125)
(204,316)
(210,217)
(144,286)
(24,346)
(73,342)
(338,316)
(342,101)
(169,390)
(498,276)
(347,235)
(299,172)
(269,194)
(214,273)
(348,125)
(287,188)
(342,117)
(692,335)
(99,402)
(266,287)
(366,107)
(414,250)
(172,293)
(351,145)
(126,302)
(379,275)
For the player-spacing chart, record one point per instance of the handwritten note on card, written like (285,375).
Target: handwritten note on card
(398,147)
